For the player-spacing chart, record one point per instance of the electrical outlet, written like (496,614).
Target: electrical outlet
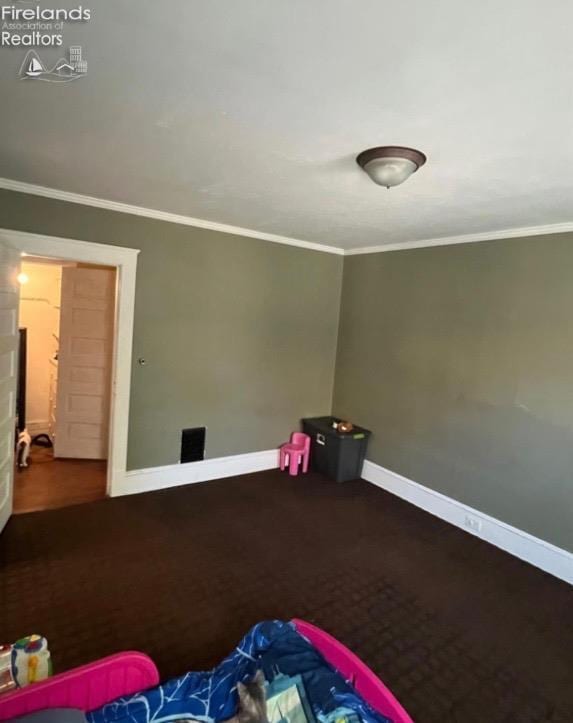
(473,523)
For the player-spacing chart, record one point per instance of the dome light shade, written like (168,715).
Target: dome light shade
(390,165)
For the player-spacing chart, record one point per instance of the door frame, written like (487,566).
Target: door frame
(125,261)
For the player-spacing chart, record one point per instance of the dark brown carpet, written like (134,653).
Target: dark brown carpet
(459,630)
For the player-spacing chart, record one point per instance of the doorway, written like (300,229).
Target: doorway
(15,245)
(66,313)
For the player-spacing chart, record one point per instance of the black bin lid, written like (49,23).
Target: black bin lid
(324,425)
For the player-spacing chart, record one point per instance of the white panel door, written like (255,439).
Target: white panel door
(84,363)
(9,296)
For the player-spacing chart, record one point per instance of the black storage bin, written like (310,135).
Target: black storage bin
(339,455)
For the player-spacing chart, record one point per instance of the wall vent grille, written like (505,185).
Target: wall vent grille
(193,444)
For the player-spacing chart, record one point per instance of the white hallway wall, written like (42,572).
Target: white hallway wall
(40,315)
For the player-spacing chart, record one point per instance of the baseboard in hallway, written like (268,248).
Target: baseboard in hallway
(38,426)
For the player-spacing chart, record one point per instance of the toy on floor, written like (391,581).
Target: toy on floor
(295,452)
(26,661)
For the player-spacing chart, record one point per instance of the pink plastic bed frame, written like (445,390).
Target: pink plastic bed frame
(96,684)
(362,679)
(86,687)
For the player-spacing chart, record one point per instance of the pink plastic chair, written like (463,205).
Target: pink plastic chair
(295,452)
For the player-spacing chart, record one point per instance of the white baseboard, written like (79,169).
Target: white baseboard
(37,426)
(540,553)
(173,475)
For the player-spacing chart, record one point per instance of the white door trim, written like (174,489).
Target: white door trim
(125,261)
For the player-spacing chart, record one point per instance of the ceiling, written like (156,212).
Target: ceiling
(251,113)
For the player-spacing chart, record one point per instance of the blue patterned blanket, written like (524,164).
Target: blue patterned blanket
(286,659)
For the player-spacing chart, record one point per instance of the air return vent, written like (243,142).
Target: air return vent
(193,444)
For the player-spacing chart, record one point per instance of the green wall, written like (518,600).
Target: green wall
(239,334)
(460,359)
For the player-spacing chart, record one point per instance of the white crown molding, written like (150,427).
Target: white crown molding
(465,238)
(54,193)
(173,475)
(537,552)
(22,187)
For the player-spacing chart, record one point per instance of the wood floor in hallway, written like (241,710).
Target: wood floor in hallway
(49,483)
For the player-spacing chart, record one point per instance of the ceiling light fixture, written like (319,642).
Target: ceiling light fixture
(390,165)
(23,278)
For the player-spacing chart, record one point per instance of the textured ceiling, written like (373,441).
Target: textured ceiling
(251,113)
